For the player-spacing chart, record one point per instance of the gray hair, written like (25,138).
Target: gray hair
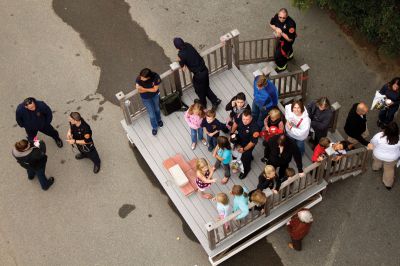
(305,216)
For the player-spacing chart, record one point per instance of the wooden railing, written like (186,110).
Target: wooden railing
(255,51)
(216,58)
(217,232)
(352,161)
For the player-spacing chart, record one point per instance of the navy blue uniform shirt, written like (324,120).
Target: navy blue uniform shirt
(154,80)
(34,120)
(191,58)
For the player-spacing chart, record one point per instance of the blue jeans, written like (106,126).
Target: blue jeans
(196,134)
(44,183)
(259,114)
(212,142)
(153,108)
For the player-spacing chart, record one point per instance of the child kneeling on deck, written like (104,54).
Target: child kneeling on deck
(319,151)
(240,201)
(223,154)
(204,178)
(269,179)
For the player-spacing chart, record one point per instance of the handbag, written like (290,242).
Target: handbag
(172,103)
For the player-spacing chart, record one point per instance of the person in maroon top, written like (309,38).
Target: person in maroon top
(299,226)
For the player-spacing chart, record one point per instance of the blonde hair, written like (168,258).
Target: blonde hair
(197,107)
(258,197)
(269,169)
(262,81)
(222,198)
(274,114)
(200,164)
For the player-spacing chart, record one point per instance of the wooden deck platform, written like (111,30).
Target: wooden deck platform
(174,138)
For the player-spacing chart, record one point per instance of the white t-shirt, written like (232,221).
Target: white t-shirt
(383,151)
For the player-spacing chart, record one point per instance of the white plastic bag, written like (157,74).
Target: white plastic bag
(378,102)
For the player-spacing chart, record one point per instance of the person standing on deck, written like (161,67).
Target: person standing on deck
(147,84)
(247,133)
(265,98)
(189,57)
(284,28)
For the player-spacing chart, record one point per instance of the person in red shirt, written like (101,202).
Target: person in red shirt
(299,226)
(319,151)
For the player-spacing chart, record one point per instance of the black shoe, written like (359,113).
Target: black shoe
(160,124)
(96,168)
(215,105)
(242,176)
(279,70)
(31,177)
(154,132)
(50,183)
(59,143)
(79,156)
(264,160)
(388,188)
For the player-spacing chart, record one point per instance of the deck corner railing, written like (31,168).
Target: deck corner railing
(218,232)
(216,58)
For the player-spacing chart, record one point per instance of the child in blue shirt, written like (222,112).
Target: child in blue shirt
(223,154)
(240,201)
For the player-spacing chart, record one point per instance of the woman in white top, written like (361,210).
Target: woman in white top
(297,123)
(386,152)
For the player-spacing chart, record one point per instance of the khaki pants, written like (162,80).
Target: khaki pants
(353,141)
(388,170)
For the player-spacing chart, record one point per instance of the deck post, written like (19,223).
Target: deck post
(177,78)
(304,79)
(335,107)
(124,104)
(235,39)
(210,235)
(227,41)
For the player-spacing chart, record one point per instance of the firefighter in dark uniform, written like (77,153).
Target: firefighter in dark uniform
(284,29)
(247,136)
(189,57)
(80,135)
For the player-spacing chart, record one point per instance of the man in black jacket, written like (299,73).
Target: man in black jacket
(33,158)
(189,57)
(34,116)
(279,151)
(320,113)
(356,124)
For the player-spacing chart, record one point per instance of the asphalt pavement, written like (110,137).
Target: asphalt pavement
(76,55)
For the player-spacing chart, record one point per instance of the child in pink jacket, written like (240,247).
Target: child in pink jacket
(194,116)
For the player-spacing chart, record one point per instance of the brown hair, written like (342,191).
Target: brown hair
(21,145)
(323,102)
(222,198)
(299,103)
(258,197)
(237,190)
(324,142)
(289,172)
(196,106)
(211,113)
(261,81)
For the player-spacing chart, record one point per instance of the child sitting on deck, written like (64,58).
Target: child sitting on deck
(212,127)
(204,178)
(194,116)
(223,207)
(223,154)
(319,151)
(240,201)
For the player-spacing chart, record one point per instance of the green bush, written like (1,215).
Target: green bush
(378,21)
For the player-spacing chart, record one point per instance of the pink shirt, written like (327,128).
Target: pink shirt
(194,121)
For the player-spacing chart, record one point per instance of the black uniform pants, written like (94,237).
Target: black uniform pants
(282,52)
(318,134)
(247,156)
(93,155)
(201,84)
(47,130)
